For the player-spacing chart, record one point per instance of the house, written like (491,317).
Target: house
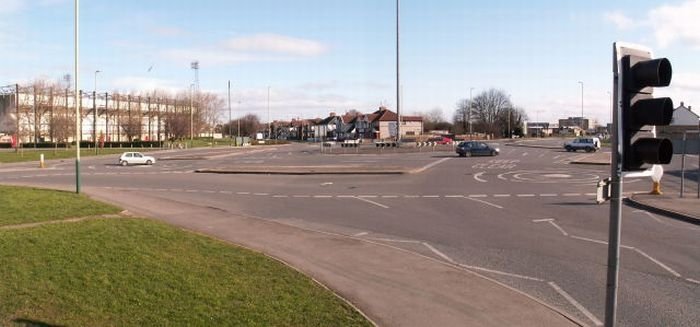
(684,121)
(383,125)
(577,125)
(538,129)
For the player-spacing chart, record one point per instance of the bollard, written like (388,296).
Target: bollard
(41,161)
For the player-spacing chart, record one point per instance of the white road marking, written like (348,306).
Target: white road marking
(360,234)
(571,194)
(440,254)
(542,220)
(590,194)
(575,303)
(599,242)
(242,193)
(547,195)
(411,196)
(431,196)
(372,202)
(322,196)
(430,165)
(366,196)
(225,192)
(551,222)
(302,196)
(477,176)
(261,194)
(693,280)
(280,196)
(395,240)
(485,202)
(650,215)
(477,195)
(525,195)
(344,196)
(390,196)
(501,273)
(524,154)
(326,183)
(191,191)
(454,196)
(208,191)
(667,268)
(161,190)
(501,195)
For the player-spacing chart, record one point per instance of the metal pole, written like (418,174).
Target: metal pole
(191,115)
(94,119)
(269,123)
(615,209)
(230,132)
(469,112)
(582,130)
(398,100)
(77,99)
(683,164)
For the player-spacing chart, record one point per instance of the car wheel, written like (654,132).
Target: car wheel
(462,155)
(124,163)
(589,149)
(467,154)
(148,162)
(568,149)
(494,153)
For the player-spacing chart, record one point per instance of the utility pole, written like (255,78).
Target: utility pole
(469,112)
(230,132)
(269,123)
(191,114)
(582,129)
(76,34)
(398,91)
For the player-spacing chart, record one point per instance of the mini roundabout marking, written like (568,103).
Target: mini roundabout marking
(550,177)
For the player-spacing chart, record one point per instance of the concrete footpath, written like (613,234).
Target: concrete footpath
(686,208)
(393,287)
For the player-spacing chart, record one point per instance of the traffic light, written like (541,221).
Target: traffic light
(639,74)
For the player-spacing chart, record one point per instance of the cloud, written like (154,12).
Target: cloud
(259,47)
(276,44)
(669,23)
(137,83)
(167,31)
(677,24)
(11,6)
(620,21)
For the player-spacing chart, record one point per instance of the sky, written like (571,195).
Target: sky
(322,56)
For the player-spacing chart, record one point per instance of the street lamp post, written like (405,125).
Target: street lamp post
(230,128)
(191,114)
(581,106)
(269,123)
(94,112)
(95,86)
(398,91)
(469,112)
(77,95)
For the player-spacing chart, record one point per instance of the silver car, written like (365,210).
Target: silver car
(135,158)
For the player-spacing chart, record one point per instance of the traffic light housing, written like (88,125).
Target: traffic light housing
(639,74)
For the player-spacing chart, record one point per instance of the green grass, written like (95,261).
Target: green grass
(19,205)
(49,154)
(132,272)
(137,272)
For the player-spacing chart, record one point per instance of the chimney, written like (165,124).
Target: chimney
(682,105)
(332,114)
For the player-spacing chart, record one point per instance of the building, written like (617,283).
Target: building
(575,124)
(684,121)
(538,129)
(383,125)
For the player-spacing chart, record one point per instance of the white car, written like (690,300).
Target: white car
(588,144)
(135,158)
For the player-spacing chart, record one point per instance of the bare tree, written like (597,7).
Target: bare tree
(250,124)
(488,107)
(435,120)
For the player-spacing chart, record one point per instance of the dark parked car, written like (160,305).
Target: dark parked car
(475,148)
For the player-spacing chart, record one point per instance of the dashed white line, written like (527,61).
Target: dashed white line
(542,220)
(322,196)
(501,195)
(261,194)
(431,196)
(477,196)
(390,196)
(548,195)
(225,192)
(360,234)
(280,196)
(525,195)
(344,196)
(242,193)
(693,280)
(411,196)
(575,303)
(454,196)
(367,196)
(302,196)
(571,194)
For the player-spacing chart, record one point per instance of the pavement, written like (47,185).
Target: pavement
(391,286)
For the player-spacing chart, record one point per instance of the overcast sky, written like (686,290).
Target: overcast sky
(319,56)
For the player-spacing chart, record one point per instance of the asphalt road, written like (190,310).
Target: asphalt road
(526,218)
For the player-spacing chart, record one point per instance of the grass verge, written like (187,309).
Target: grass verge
(50,154)
(136,272)
(20,205)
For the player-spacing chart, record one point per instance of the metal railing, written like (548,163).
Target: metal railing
(685,150)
